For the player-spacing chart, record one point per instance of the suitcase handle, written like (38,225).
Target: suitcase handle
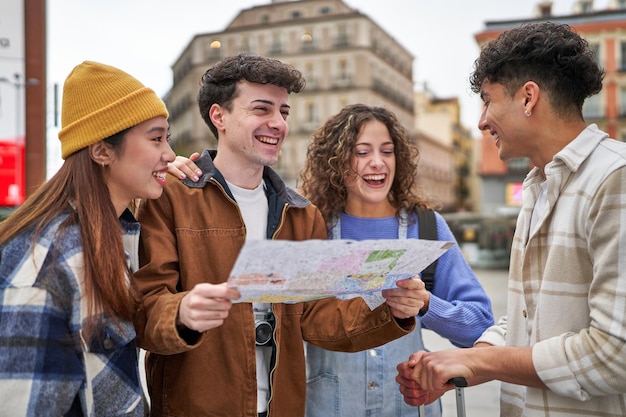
(458,382)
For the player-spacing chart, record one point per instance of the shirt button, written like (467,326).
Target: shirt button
(371,385)
(524,313)
(372,353)
(108,344)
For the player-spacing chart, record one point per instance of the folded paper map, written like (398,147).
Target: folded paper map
(279,271)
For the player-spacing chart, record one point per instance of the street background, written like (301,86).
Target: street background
(481,400)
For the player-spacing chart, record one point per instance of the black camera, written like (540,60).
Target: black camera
(264,323)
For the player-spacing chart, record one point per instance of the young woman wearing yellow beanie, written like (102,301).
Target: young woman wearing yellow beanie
(67,340)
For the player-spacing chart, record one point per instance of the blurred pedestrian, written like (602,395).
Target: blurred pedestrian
(67,341)
(561,349)
(361,172)
(204,361)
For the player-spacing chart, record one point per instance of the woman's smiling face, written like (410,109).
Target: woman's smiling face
(138,169)
(374,167)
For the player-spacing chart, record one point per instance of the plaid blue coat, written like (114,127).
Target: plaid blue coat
(46,366)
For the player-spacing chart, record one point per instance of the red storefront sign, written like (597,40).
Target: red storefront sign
(11,173)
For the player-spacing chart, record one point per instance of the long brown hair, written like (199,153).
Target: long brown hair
(79,190)
(329,161)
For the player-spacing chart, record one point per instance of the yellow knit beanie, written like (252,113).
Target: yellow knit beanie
(99,101)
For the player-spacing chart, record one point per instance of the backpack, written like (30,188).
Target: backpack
(427,230)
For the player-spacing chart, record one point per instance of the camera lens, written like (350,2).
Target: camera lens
(263,333)
(264,327)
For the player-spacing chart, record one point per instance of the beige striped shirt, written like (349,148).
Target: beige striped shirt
(567,284)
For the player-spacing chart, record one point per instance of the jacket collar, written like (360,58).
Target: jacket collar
(572,156)
(272,180)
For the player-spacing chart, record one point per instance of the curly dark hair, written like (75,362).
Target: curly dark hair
(329,161)
(218,84)
(554,56)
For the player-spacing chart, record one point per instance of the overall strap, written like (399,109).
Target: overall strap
(336,229)
(427,230)
(403,224)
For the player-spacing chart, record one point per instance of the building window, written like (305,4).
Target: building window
(342,37)
(309,75)
(545,10)
(311,113)
(595,48)
(310,120)
(296,14)
(245,44)
(325,10)
(592,109)
(622,60)
(276,47)
(265,18)
(622,101)
(342,75)
(342,69)
(583,6)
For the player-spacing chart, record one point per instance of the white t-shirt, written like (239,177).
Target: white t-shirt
(254,209)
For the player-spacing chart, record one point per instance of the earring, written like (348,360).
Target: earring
(527,113)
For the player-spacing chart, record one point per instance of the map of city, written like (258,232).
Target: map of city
(312,269)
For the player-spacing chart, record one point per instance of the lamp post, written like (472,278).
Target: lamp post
(19,143)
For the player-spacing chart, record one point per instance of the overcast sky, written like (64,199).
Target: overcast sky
(144,37)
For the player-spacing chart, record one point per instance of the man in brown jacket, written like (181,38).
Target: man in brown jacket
(204,358)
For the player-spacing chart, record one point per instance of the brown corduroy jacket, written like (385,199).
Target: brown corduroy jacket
(193,234)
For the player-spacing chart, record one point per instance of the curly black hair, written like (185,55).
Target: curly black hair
(218,84)
(558,59)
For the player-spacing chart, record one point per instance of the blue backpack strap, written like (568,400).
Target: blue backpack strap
(427,230)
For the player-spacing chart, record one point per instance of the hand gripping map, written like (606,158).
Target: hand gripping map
(283,271)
